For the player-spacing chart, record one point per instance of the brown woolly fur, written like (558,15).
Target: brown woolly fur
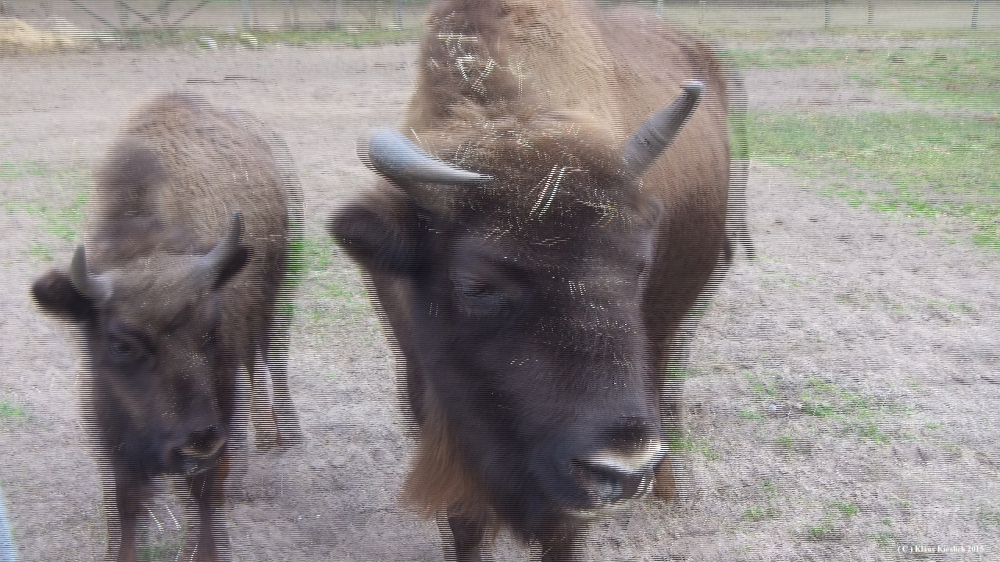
(543,311)
(180,182)
(523,153)
(512,87)
(179,161)
(183,295)
(512,58)
(439,478)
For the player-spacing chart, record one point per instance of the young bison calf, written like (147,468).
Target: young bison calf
(185,279)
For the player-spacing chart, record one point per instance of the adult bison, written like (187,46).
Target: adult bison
(540,264)
(184,281)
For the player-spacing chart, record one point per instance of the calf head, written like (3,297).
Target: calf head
(153,340)
(521,314)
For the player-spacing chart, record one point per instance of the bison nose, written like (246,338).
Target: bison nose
(604,487)
(621,466)
(200,450)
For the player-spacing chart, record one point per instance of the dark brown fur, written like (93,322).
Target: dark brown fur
(166,349)
(536,93)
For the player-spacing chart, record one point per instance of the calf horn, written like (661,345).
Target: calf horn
(94,287)
(213,262)
(658,130)
(390,155)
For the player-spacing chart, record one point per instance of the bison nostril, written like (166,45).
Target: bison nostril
(201,445)
(604,485)
(630,445)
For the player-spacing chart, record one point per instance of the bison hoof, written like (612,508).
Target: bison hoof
(290,437)
(265,438)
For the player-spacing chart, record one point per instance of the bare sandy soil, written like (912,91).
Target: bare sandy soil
(845,387)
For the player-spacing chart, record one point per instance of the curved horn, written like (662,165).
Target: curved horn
(658,130)
(94,287)
(214,261)
(386,152)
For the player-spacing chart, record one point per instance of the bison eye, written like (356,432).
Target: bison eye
(478,290)
(478,296)
(123,350)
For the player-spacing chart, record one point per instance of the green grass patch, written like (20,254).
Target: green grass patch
(60,191)
(988,518)
(358,35)
(702,440)
(827,530)
(19,409)
(929,161)
(68,217)
(38,168)
(852,508)
(851,408)
(825,396)
(922,162)
(361,35)
(167,550)
(331,287)
(762,513)
(838,520)
(941,160)
(967,72)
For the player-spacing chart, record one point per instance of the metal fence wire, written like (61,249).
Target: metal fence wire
(249,14)
(132,14)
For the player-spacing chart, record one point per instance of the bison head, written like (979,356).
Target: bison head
(512,282)
(151,328)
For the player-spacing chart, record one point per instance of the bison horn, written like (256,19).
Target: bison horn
(658,130)
(387,153)
(217,259)
(94,287)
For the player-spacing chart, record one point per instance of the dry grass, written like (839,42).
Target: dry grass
(48,34)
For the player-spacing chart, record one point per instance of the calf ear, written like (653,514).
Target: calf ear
(55,294)
(382,233)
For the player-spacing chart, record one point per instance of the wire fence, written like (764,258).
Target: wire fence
(798,14)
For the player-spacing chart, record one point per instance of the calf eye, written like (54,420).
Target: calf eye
(120,348)
(124,350)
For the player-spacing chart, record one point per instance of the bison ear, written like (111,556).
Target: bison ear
(381,235)
(55,294)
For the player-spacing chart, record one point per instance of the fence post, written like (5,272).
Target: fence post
(826,13)
(290,14)
(975,14)
(871,12)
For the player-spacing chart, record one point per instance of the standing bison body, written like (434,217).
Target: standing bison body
(541,255)
(184,281)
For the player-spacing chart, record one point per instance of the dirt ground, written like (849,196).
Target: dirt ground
(845,387)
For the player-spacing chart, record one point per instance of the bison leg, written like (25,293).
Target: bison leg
(265,431)
(695,253)
(561,545)
(674,476)
(275,420)
(463,539)
(208,491)
(275,354)
(128,532)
